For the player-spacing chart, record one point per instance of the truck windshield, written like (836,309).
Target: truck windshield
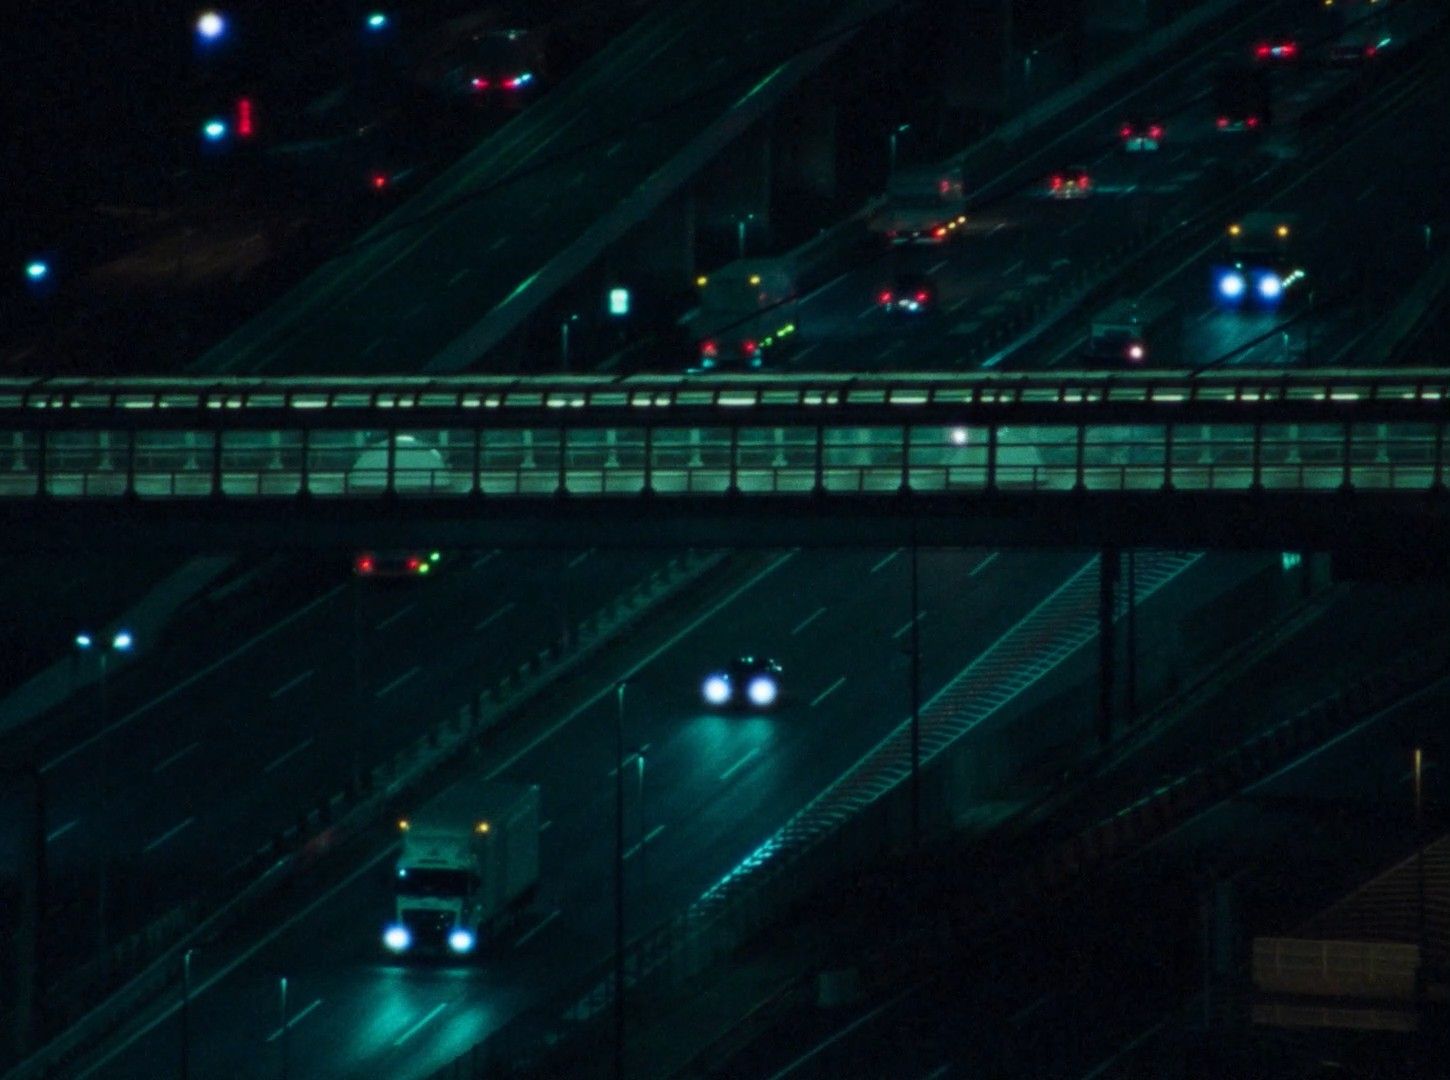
(428,882)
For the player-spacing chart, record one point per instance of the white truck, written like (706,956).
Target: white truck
(747,308)
(469,860)
(924,204)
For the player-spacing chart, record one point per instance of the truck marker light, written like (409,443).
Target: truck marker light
(403,825)
(481,827)
(702,281)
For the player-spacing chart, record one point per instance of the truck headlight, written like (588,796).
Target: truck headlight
(397,938)
(1230,284)
(1269,286)
(461,940)
(762,690)
(716,689)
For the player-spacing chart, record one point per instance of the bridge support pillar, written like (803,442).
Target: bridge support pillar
(1107,604)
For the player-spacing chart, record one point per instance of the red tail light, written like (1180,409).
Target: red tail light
(1155,132)
(921,296)
(1056,183)
(710,349)
(479,83)
(1126,131)
(1370,50)
(1289,49)
(1262,51)
(939,231)
(1084,182)
(886,296)
(748,347)
(1252,121)
(1223,121)
(412,563)
(364,564)
(378,181)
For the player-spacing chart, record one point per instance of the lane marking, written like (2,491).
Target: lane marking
(546,824)
(278,761)
(1018,265)
(399,681)
(290,684)
(649,838)
(58,833)
(938,266)
(500,242)
(808,620)
(293,1021)
(750,756)
(179,687)
(886,560)
(389,851)
(405,1036)
(499,614)
(963,302)
(167,835)
(616,148)
(866,312)
(1369,190)
(525,938)
(828,691)
(482,559)
(993,230)
(988,561)
(865,1018)
(174,758)
(577,559)
(938,1072)
(456,278)
(395,616)
(919,616)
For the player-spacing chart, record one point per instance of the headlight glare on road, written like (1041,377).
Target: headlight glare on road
(461,940)
(716,689)
(762,690)
(397,938)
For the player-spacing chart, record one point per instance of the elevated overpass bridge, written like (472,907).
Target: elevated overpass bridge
(1301,460)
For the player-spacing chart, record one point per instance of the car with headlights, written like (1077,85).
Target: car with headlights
(747,682)
(1140,134)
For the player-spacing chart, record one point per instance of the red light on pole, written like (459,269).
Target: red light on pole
(244,117)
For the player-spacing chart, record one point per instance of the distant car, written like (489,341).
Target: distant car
(748,682)
(1278,48)
(395,564)
(909,293)
(1072,182)
(1141,133)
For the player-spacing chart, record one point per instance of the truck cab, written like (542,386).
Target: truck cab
(1132,334)
(1261,259)
(468,860)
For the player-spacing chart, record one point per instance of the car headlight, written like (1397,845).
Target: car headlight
(716,689)
(461,940)
(397,938)
(1269,286)
(1231,284)
(762,690)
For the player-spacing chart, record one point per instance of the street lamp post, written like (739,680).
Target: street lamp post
(186,1014)
(564,342)
(121,641)
(740,224)
(619,882)
(282,1038)
(900,129)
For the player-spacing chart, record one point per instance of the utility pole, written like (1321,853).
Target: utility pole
(282,986)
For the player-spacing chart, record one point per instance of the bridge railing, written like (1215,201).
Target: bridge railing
(749,460)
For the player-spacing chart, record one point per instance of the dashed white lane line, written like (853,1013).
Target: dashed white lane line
(920,616)
(421,1024)
(291,684)
(886,561)
(500,242)
(578,559)
(395,616)
(937,266)
(456,278)
(167,835)
(649,838)
(801,355)
(828,691)
(293,1021)
(546,824)
(174,758)
(399,681)
(56,834)
(750,756)
(1000,225)
(484,559)
(282,759)
(812,617)
(1018,265)
(499,614)
(524,939)
(631,757)
(984,564)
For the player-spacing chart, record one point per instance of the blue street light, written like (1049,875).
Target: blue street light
(37,270)
(84,641)
(377,21)
(210,26)
(214,130)
(123,641)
